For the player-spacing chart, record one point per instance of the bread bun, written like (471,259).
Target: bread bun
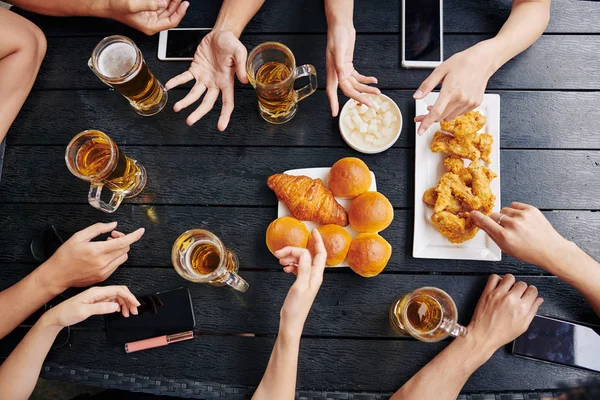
(349,177)
(369,254)
(286,231)
(371,212)
(336,240)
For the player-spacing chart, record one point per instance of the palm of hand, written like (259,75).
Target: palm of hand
(213,63)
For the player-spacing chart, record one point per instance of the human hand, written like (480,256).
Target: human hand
(80,262)
(218,58)
(94,301)
(147,16)
(309,276)
(465,76)
(503,313)
(340,70)
(524,233)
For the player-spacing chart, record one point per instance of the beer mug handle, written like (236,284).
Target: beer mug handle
(94,199)
(235,281)
(458,330)
(311,72)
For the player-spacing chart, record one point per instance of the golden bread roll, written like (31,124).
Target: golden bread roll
(336,240)
(371,212)
(349,177)
(369,254)
(286,231)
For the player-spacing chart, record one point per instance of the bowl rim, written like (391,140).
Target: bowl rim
(356,147)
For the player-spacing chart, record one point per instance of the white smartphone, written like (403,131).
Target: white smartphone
(180,44)
(422,33)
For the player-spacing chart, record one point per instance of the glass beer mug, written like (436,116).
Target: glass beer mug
(200,256)
(428,314)
(119,63)
(272,71)
(94,157)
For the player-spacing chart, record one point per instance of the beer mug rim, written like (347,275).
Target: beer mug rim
(220,246)
(114,153)
(278,46)
(404,310)
(93,62)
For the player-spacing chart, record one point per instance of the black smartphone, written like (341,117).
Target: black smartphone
(162,313)
(180,43)
(45,243)
(562,342)
(422,33)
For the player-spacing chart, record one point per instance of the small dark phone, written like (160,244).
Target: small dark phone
(561,342)
(162,313)
(45,243)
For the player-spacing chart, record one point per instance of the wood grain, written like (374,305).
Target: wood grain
(243,230)
(562,120)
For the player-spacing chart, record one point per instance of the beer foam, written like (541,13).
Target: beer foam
(116,59)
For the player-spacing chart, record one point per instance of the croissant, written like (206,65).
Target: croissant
(308,199)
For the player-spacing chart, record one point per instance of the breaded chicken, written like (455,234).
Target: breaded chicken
(457,228)
(454,206)
(447,144)
(465,124)
(482,177)
(449,187)
(456,165)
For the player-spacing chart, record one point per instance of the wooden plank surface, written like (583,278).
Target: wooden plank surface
(561,120)
(26,220)
(460,16)
(561,179)
(568,62)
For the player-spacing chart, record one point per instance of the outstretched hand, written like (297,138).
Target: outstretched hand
(148,16)
(309,276)
(218,58)
(340,69)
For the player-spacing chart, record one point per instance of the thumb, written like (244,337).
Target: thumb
(487,224)
(146,5)
(431,82)
(239,57)
(92,231)
(105,307)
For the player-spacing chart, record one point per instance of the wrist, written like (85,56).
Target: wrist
(477,350)
(564,258)
(45,281)
(339,16)
(47,323)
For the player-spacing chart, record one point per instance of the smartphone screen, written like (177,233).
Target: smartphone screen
(163,313)
(561,342)
(182,43)
(422,35)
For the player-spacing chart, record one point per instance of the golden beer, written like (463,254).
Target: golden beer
(272,71)
(200,256)
(428,314)
(94,157)
(119,63)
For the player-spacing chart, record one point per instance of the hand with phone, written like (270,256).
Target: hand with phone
(19,372)
(341,37)
(279,380)
(504,311)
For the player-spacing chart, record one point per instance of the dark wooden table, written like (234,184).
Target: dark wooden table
(199,177)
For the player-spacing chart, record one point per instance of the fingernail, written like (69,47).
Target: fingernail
(115,307)
(376,81)
(305,257)
(134,311)
(418,94)
(421,131)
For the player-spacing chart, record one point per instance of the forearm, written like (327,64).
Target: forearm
(235,15)
(339,12)
(63,7)
(24,298)
(20,371)
(526,23)
(578,269)
(279,380)
(444,376)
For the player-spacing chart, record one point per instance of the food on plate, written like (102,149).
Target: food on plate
(371,127)
(454,206)
(336,240)
(349,177)
(465,124)
(482,177)
(450,186)
(371,212)
(286,231)
(308,199)
(369,254)
(457,228)
(456,165)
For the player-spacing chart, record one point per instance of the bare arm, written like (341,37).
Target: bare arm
(22,49)
(62,7)
(504,312)
(235,15)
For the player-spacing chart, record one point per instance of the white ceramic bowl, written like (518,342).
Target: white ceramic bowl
(374,149)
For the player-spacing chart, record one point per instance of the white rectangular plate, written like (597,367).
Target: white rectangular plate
(321,173)
(429,166)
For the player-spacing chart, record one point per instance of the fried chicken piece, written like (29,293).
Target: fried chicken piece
(454,206)
(464,125)
(457,228)
(482,177)
(484,143)
(449,187)
(430,197)
(443,143)
(455,165)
